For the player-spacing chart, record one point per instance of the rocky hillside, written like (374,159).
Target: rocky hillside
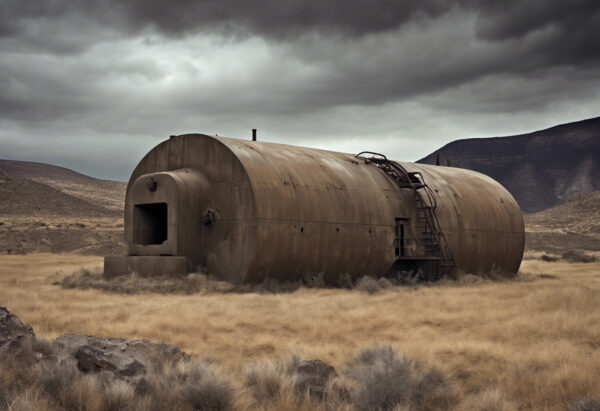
(22,196)
(45,208)
(574,224)
(541,169)
(29,184)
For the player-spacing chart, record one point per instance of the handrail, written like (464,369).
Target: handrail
(373,153)
(442,249)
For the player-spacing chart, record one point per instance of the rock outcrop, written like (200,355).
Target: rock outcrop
(12,330)
(120,356)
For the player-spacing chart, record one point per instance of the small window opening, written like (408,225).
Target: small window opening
(150,223)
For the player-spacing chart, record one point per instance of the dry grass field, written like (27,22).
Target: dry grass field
(527,343)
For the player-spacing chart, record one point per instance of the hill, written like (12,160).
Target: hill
(574,224)
(106,194)
(541,169)
(22,196)
(45,208)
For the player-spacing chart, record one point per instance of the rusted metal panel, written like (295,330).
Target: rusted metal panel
(279,211)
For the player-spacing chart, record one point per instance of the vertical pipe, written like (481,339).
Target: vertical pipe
(253,134)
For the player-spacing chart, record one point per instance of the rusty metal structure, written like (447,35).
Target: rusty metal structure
(245,211)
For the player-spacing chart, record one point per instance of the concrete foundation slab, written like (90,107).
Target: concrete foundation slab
(146,266)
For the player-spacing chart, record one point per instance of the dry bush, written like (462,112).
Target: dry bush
(19,368)
(68,388)
(271,385)
(283,384)
(367,284)
(265,381)
(372,285)
(159,391)
(549,258)
(60,385)
(119,395)
(434,391)
(344,280)
(29,399)
(198,283)
(193,283)
(575,256)
(386,380)
(204,389)
(134,284)
(586,403)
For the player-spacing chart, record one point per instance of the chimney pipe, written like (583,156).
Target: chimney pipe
(253,134)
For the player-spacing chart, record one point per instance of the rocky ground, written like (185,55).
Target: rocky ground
(99,373)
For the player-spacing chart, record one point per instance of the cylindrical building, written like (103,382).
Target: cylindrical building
(247,210)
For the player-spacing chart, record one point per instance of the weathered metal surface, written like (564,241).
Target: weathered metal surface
(247,210)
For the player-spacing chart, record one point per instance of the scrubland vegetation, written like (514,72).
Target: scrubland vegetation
(377,378)
(526,343)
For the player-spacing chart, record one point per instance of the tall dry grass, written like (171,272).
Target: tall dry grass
(530,343)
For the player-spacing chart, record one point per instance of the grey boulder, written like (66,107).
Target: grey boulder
(12,331)
(127,358)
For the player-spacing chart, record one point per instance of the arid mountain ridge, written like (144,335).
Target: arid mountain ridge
(540,169)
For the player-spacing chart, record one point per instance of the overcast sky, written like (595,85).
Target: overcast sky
(94,85)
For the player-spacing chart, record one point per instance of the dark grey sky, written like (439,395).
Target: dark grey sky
(94,85)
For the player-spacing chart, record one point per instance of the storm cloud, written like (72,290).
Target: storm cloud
(93,85)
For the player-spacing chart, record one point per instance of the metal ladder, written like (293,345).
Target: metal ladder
(433,238)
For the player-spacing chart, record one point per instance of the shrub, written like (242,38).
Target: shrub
(574,256)
(133,283)
(586,403)
(410,277)
(159,389)
(384,284)
(386,380)
(434,391)
(344,280)
(293,383)
(204,389)
(29,399)
(264,381)
(68,387)
(367,284)
(372,285)
(118,395)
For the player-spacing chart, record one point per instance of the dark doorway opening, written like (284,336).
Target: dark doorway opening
(399,241)
(150,222)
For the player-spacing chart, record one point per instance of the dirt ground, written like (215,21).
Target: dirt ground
(534,340)
(56,234)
